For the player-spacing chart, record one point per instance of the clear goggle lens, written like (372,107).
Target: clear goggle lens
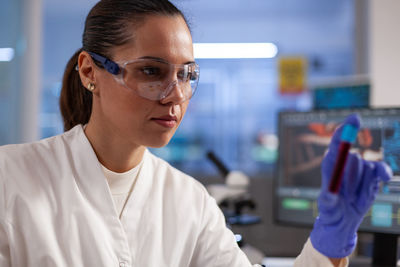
(155,80)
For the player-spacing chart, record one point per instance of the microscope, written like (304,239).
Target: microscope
(233,198)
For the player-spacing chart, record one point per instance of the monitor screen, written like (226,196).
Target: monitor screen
(342,95)
(303,140)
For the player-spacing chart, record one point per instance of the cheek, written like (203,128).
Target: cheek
(113,100)
(120,103)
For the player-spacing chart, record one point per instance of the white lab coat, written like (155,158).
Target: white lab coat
(56,209)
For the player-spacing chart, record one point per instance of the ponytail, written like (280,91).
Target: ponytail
(75,99)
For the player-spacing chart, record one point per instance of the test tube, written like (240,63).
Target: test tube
(348,137)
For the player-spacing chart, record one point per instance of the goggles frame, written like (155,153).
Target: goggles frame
(117,70)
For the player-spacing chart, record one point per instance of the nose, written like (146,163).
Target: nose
(174,94)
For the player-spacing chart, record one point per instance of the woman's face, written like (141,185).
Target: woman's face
(123,112)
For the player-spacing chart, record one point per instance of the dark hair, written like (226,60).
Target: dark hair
(106,26)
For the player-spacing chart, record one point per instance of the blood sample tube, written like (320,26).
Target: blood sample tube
(348,137)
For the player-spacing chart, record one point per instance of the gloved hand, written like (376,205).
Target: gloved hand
(335,229)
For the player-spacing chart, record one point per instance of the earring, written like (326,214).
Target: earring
(91,87)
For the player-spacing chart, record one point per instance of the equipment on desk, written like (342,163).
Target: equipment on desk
(232,196)
(303,140)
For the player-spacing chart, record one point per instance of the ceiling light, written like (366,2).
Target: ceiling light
(234,50)
(6,54)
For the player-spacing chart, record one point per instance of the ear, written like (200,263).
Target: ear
(87,69)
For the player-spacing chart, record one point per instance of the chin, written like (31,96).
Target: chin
(159,142)
(157,145)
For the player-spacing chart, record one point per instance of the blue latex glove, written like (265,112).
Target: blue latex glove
(335,229)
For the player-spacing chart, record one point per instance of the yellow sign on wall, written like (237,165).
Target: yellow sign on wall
(292,74)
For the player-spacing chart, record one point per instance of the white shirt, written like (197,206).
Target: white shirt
(121,185)
(56,209)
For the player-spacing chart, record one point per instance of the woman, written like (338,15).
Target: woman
(95,196)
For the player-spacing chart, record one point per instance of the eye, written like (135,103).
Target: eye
(151,71)
(182,75)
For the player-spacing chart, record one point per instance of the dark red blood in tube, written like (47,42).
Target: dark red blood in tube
(338,170)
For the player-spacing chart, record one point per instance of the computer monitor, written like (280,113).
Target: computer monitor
(303,140)
(342,95)
(341,92)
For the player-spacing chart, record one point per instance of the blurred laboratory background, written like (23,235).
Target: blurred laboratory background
(235,110)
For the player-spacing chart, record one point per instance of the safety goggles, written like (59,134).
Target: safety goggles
(153,79)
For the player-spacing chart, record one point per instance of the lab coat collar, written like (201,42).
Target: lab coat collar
(92,183)
(91,180)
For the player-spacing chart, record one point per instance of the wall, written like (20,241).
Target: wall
(20,79)
(384,52)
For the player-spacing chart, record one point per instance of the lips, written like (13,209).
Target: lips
(166,121)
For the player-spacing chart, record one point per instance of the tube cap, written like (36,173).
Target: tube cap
(349,133)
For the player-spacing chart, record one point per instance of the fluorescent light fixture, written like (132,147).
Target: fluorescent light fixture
(235,50)
(6,54)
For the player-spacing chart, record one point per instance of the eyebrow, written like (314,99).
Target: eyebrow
(163,60)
